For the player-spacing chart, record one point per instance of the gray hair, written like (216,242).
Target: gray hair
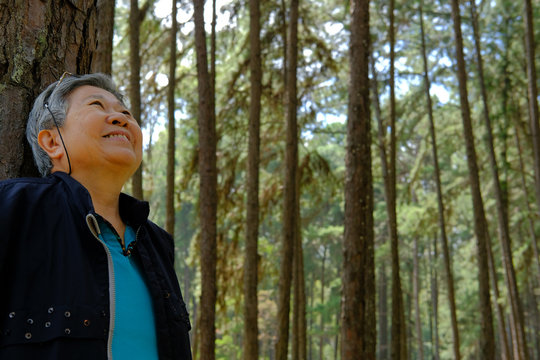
(55,98)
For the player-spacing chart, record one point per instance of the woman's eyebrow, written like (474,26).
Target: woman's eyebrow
(101,97)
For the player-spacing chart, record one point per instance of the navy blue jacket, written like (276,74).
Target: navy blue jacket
(55,300)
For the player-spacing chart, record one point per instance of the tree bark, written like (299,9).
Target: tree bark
(290,197)
(358,322)
(135,83)
(171,146)
(207,191)
(251,330)
(519,345)
(440,201)
(321,324)
(39,41)
(487,342)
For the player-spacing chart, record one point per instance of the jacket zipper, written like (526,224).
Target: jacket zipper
(93,225)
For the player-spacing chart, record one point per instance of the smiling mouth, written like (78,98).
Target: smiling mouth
(116,136)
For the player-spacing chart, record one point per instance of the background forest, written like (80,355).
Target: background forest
(454,243)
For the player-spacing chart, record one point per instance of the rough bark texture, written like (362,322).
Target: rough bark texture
(440,203)
(251,329)
(208,191)
(135,82)
(519,346)
(169,223)
(38,42)
(299,331)
(487,341)
(416,291)
(358,325)
(102,59)
(289,190)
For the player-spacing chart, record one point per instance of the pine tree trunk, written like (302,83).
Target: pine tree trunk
(533,94)
(251,329)
(519,345)
(321,324)
(399,331)
(383,312)
(169,223)
(102,60)
(530,221)
(440,202)
(135,83)
(299,311)
(487,341)
(434,299)
(40,40)
(207,192)
(289,190)
(358,322)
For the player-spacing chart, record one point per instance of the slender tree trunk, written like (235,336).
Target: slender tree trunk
(533,94)
(440,202)
(499,311)
(358,322)
(251,329)
(383,312)
(290,197)
(519,345)
(208,190)
(416,294)
(169,224)
(321,325)
(487,342)
(40,40)
(433,260)
(530,221)
(310,325)
(299,310)
(135,83)
(399,331)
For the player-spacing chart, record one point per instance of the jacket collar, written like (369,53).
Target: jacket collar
(134,212)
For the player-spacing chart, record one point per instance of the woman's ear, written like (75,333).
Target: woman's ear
(48,140)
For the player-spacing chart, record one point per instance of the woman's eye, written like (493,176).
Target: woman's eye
(127,113)
(98,103)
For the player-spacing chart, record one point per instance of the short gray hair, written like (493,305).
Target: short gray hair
(55,98)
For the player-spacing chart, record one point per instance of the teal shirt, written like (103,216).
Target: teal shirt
(134,332)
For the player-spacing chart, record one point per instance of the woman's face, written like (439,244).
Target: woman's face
(100,132)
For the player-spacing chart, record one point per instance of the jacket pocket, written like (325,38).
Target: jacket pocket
(27,326)
(178,308)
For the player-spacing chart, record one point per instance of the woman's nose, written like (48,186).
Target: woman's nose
(118,118)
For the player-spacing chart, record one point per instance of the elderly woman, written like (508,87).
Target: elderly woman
(84,274)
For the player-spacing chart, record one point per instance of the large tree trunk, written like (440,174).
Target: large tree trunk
(290,197)
(399,332)
(135,83)
(487,342)
(169,223)
(440,202)
(207,192)
(251,330)
(358,322)
(39,41)
(519,345)
(102,60)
